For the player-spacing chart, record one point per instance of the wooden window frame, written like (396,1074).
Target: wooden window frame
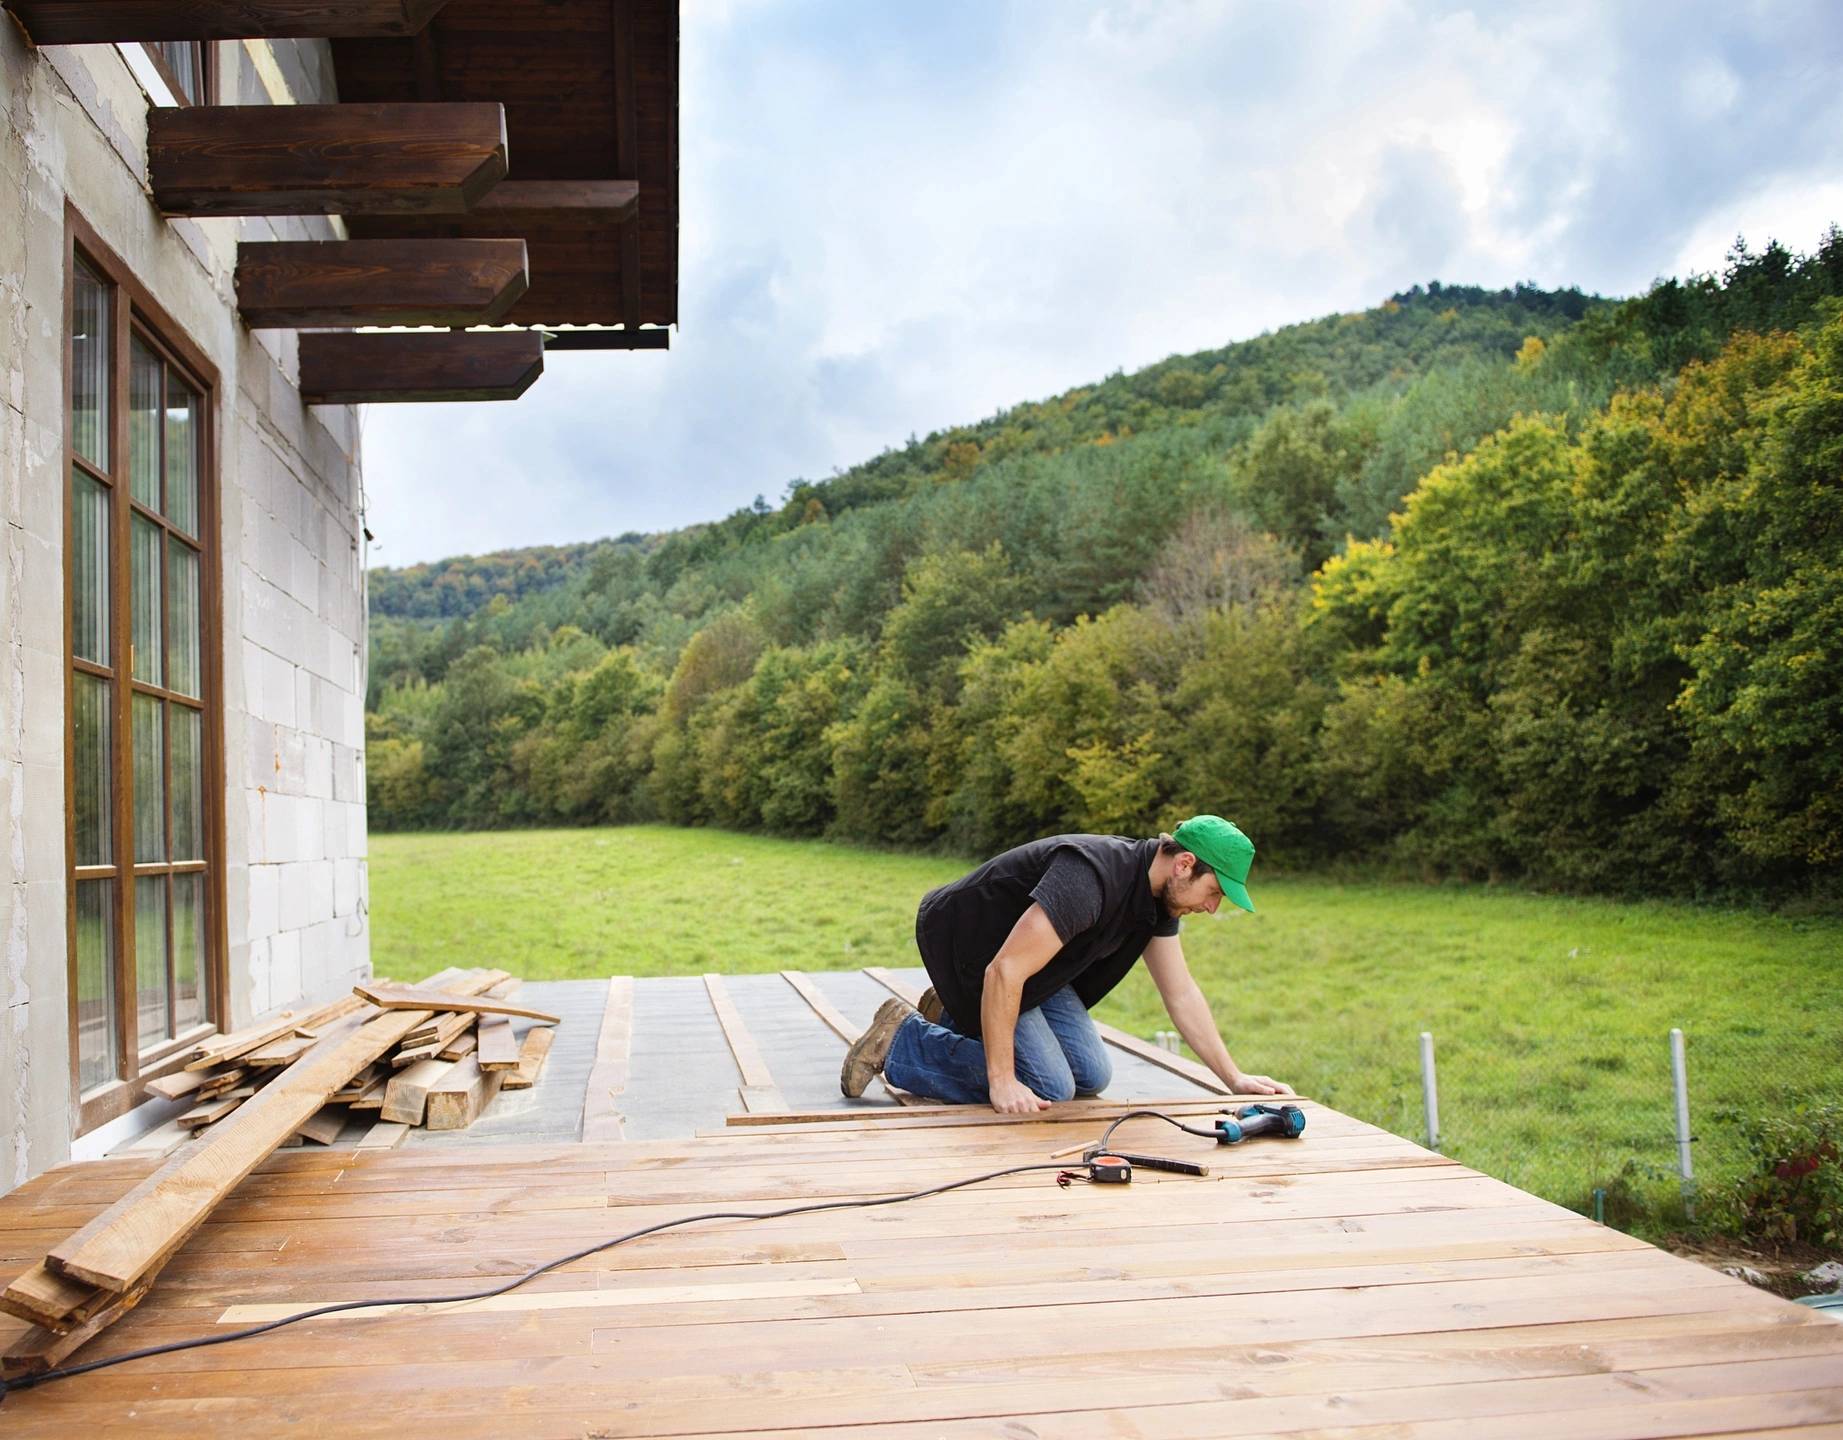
(135,313)
(208,72)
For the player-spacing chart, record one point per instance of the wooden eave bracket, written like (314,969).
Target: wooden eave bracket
(438,158)
(347,283)
(366,369)
(109,22)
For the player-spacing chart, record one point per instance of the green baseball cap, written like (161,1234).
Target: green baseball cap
(1223,848)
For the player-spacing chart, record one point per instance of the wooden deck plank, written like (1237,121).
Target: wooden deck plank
(601,1105)
(759,1092)
(1346,1283)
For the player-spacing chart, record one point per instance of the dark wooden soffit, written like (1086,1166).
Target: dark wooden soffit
(324,159)
(289,283)
(557,66)
(104,22)
(361,369)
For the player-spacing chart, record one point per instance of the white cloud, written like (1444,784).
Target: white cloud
(897,218)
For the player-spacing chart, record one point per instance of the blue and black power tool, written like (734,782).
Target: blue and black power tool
(1284,1121)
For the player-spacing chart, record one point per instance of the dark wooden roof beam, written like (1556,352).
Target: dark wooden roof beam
(290,284)
(366,369)
(649,339)
(106,22)
(434,159)
(515,207)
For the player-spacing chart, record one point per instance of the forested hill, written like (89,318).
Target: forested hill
(1482,582)
(1411,334)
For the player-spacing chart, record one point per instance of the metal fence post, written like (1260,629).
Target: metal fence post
(1679,1074)
(1430,1091)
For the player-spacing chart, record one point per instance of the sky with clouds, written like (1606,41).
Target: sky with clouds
(897,217)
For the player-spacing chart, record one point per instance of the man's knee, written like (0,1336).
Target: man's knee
(1053,1086)
(1091,1074)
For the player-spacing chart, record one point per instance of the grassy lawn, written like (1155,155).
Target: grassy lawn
(1550,1015)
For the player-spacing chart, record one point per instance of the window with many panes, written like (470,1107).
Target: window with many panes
(142,787)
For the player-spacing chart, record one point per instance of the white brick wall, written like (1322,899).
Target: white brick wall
(72,129)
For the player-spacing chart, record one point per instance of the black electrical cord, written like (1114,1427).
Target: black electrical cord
(30,1381)
(1153,1115)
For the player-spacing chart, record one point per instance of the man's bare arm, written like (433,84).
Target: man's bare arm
(1190,1012)
(1032,944)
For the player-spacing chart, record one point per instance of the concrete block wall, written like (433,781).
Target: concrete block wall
(72,127)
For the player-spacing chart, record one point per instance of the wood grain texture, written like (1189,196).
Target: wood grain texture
(407,997)
(359,369)
(1414,1301)
(406,1097)
(324,159)
(759,1093)
(531,1053)
(107,22)
(290,284)
(498,1046)
(456,1100)
(136,1234)
(601,1104)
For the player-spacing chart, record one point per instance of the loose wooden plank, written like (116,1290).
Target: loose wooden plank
(759,1092)
(40,1349)
(135,1235)
(531,1057)
(177,1085)
(408,997)
(601,1116)
(457,1099)
(278,1053)
(450,1029)
(212,1111)
(406,1097)
(497,1046)
(323,1127)
(41,1296)
(213,1053)
(808,990)
(520,1301)
(372,1097)
(385,1135)
(461,1046)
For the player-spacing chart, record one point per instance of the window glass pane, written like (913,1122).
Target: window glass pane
(149,782)
(186,63)
(145,585)
(95,983)
(89,368)
(188,951)
(182,421)
(188,781)
(150,958)
(144,369)
(89,563)
(90,699)
(182,618)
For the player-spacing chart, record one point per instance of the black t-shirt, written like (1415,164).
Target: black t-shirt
(1096,892)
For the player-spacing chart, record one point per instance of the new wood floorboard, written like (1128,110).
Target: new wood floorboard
(1349,1283)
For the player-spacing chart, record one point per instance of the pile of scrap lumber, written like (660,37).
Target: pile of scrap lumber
(433,1054)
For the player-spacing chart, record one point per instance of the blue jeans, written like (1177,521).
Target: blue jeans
(1059,1055)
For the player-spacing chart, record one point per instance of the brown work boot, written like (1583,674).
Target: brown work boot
(930,1006)
(865,1057)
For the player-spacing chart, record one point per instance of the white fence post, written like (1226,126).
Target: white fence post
(1679,1074)
(1430,1091)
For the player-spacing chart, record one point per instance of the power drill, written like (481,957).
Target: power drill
(1285,1121)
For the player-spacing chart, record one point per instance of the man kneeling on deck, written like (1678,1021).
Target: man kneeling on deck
(1022,948)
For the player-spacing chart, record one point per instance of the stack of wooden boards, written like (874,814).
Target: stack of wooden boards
(434,1054)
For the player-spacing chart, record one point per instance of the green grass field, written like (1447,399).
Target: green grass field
(1550,1015)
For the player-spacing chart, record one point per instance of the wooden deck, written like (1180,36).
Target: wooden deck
(1346,1283)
